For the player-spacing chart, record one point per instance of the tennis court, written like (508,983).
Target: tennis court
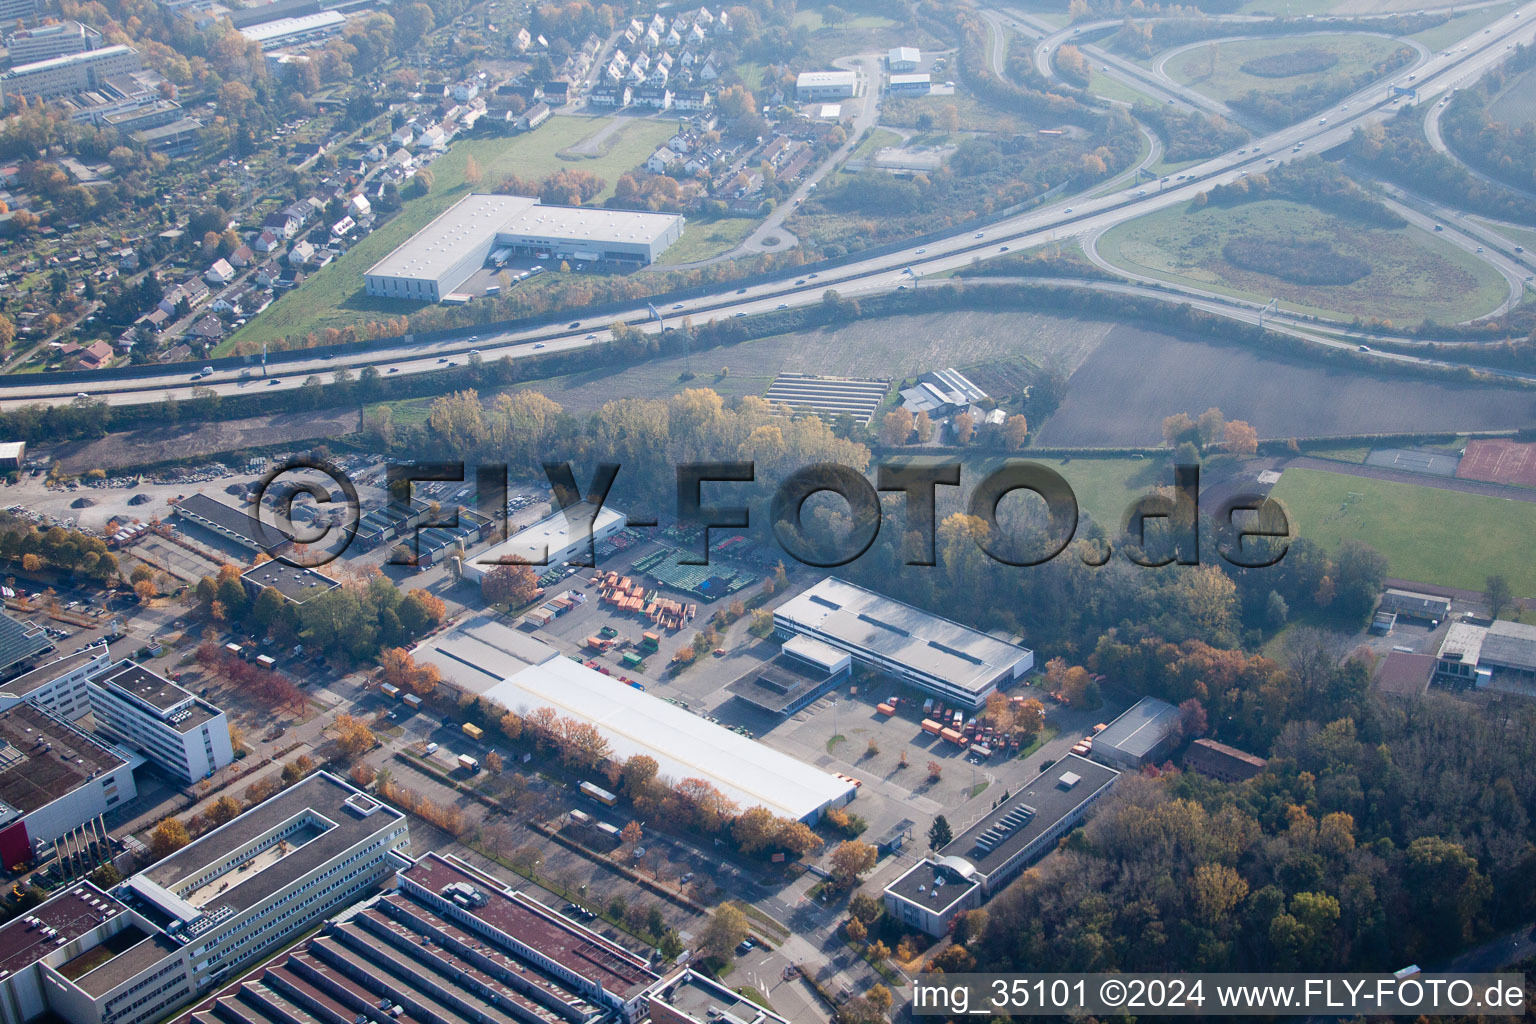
(1434,462)
(1499,461)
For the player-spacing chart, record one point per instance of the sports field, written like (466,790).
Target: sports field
(1227,70)
(1428,534)
(1413,274)
(333,297)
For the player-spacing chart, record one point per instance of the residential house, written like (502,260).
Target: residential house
(220,274)
(653,97)
(557,93)
(99,354)
(682,143)
(535,116)
(662,161)
(692,99)
(466,90)
(359,205)
(522,40)
(610,96)
(301,253)
(283,223)
(128,259)
(432,138)
(403,136)
(242,257)
(209,329)
(267,241)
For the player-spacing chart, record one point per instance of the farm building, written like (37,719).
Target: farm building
(1408,604)
(932,653)
(1140,736)
(435,261)
(492,660)
(565,535)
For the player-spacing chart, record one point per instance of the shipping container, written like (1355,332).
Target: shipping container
(473,731)
(885,709)
(598,793)
(932,727)
(632,660)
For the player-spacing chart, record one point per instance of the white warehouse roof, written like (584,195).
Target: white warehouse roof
(284,27)
(860,620)
(550,539)
(633,722)
(815,79)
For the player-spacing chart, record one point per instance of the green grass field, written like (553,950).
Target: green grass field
(1428,534)
(333,297)
(813,21)
(1517,105)
(707,238)
(1413,274)
(1216,68)
(1519,235)
(1100,84)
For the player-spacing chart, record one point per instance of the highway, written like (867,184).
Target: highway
(1077,215)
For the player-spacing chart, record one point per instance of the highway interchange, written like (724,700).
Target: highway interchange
(1087,216)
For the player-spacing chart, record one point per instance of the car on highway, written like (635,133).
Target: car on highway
(474,351)
(574,324)
(1322,120)
(274,380)
(743,313)
(474,337)
(442,359)
(921,251)
(783,305)
(1141,192)
(538,344)
(1002,248)
(980,234)
(800,281)
(1479,248)
(1067,210)
(677,305)
(1365,348)
(394,369)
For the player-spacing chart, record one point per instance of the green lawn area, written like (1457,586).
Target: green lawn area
(751,74)
(1412,275)
(1105,487)
(877,139)
(333,297)
(1428,534)
(1460,27)
(1216,68)
(707,238)
(1519,235)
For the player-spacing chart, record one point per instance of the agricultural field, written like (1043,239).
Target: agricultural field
(1408,274)
(858,33)
(333,297)
(1517,104)
(1428,534)
(1135,377)
(1227,70)
(1460,26)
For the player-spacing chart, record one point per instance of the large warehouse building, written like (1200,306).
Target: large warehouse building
(941,657)
(487,658)
(435,261)
(562,536)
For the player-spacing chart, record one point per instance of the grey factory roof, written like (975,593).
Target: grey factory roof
(860,619)
(1510,645)
(150,688)
(72,913)
(296,584)
(230,521)
(1141,728)
(1045,800)
(85,57)
(933,885)
(283,27)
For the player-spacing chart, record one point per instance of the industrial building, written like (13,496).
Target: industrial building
(1474,655)
(295,584)
(991,853)
(59,686)
(565,535)
(826,85)
(910,84)
(13,454)
(1220,761)
(924,650)
(1142,735)
(489,659)
(232,524)
(450,945)
(688,997)
(178,928)
(1409,604)
(72,73)
(433,263)
(53,779)
(306,28)
(180,732)
(903,58)
(22,645)
(61,39)
(801,673)
(941,393)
